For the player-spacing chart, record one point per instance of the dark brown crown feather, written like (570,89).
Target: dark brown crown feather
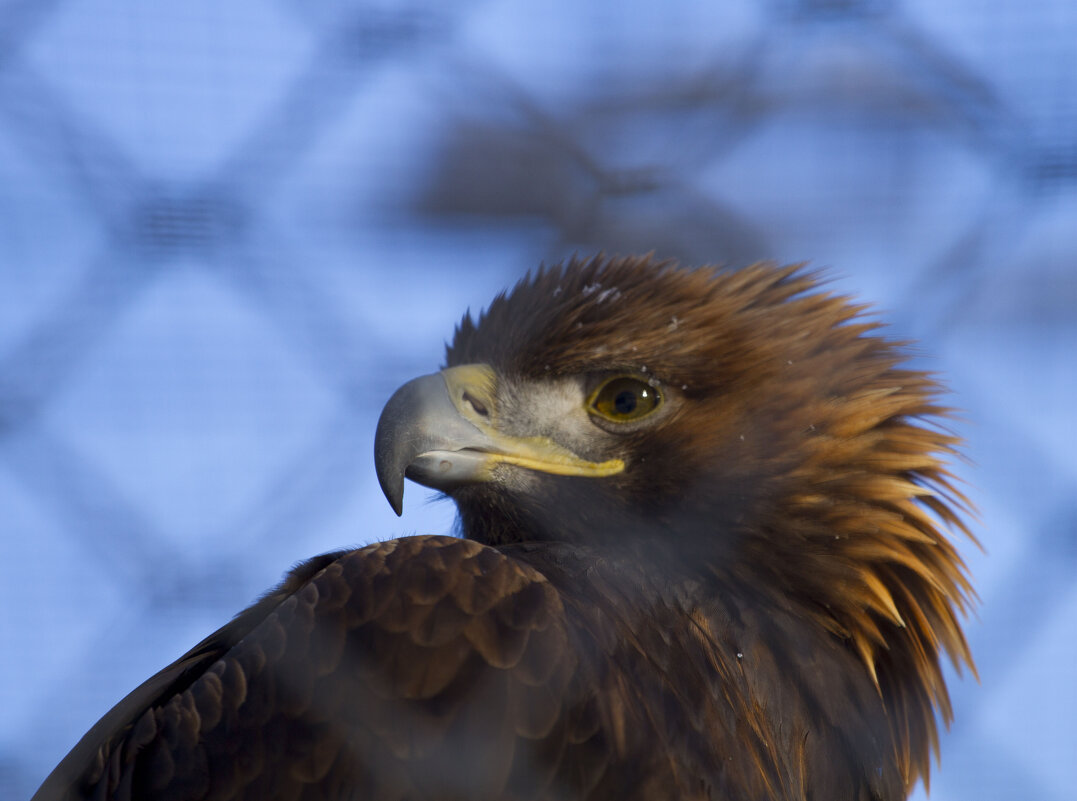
(837,453)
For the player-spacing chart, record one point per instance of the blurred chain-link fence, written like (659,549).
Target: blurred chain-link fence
(228,231)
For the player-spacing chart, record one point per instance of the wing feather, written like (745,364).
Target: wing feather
(430,665)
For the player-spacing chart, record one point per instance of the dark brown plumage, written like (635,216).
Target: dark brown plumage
(705,559)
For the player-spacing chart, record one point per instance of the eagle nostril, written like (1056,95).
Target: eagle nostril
(476,404)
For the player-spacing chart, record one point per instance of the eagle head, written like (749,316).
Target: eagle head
(746,428)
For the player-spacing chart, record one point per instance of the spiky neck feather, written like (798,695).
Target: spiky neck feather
(807,466)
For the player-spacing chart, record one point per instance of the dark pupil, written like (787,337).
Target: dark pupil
(625,402)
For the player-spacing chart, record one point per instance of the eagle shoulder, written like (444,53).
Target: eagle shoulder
(433,666)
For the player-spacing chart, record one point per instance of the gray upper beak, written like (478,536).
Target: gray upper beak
(422,435)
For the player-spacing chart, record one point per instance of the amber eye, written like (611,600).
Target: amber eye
(624,399)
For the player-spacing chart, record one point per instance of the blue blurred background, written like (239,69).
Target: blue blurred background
(229,230)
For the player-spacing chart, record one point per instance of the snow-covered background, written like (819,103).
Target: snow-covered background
(229,230)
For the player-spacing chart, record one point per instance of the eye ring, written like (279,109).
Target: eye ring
(624,399)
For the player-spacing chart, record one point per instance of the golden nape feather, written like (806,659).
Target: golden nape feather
(705,555)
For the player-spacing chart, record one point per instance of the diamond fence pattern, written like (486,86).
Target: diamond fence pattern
(229,231)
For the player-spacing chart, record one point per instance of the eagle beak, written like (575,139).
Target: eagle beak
(440,430)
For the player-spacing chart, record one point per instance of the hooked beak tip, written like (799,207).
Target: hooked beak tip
(395,499)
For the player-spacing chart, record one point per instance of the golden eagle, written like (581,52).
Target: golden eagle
(703,557)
